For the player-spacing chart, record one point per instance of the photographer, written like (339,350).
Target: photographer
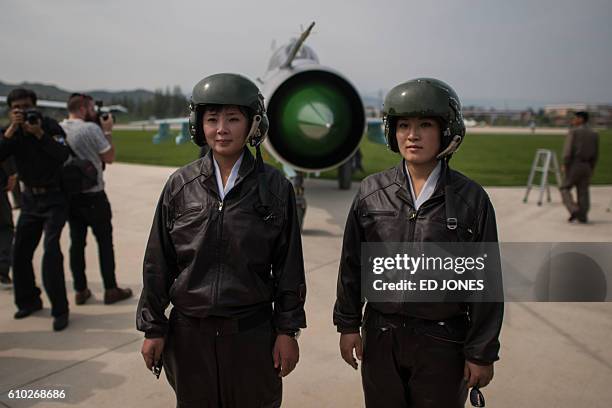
(90,208)
(38,146)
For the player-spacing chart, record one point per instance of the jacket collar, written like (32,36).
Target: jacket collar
(401,181)
(248,164)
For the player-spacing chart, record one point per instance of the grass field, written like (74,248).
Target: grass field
(490,159)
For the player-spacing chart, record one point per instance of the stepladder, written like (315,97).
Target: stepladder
(544,162)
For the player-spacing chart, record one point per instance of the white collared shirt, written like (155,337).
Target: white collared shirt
(429,187)
(231,180)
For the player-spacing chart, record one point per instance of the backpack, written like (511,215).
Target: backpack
(78,174)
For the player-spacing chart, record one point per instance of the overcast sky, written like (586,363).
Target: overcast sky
(521,50)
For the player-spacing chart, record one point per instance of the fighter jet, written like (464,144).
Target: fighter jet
(317,118)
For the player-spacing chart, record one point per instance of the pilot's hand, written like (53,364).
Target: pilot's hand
(151,351)
(477,375)
(35,129)
(107,124)
(286,354)
(348,343)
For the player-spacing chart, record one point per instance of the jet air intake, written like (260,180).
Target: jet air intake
(316,119)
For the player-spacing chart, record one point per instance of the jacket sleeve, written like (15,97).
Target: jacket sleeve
(53,141)
(568,148)
(482,340)
(159,271)
(349,306)
(288,273)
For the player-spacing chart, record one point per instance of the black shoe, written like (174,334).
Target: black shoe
(60,322)
(572,217)
(26,311)
(116,295)
(81,297)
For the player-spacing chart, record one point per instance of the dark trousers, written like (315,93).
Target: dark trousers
(45,212)
(402,367)
(577,175)
(6,248)
(91,210)
(212,364)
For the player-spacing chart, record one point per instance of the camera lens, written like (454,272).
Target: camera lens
(32,116)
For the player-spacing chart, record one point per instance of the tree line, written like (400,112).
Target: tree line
(161,104)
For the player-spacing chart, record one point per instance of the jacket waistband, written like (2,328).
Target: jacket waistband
(220,326)
(378,319)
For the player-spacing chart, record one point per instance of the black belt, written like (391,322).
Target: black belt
(220,326)
(400,321)
(42,190)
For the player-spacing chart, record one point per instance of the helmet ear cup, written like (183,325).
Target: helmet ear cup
(259,129)
(264,125)
(195,126)
(260,119)
(390,126)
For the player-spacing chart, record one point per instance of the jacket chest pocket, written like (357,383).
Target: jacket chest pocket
(253,218)
(188,220)
(248,228)
(374,213)
(381,224)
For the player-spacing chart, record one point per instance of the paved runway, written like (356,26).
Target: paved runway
(553,355)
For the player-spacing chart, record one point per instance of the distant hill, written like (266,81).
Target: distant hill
(52,92)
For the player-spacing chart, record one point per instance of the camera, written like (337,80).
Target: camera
(100,114)
(32,116)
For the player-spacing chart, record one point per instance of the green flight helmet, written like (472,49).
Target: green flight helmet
(228,89)
(425,97)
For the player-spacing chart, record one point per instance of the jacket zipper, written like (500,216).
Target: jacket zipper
(219,243)
(215,288)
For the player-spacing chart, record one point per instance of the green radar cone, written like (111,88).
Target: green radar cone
(316,120)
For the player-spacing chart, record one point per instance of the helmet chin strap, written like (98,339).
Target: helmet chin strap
(451,148)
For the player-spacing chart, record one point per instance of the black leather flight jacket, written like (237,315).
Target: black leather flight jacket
(383,211)
(210,257)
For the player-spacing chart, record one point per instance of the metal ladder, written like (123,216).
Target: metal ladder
(545,160)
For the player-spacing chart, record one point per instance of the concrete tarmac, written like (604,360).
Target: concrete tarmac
(553,355)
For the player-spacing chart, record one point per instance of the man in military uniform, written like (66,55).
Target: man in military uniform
(579,158)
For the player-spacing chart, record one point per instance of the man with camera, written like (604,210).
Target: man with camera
(38,146)
(90,207)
